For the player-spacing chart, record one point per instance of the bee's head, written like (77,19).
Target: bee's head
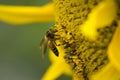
(49,34)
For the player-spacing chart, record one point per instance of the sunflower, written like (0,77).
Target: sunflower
(77,23)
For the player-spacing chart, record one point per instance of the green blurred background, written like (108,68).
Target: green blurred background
(20,55)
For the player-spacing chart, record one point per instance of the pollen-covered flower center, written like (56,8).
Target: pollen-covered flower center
(84,55)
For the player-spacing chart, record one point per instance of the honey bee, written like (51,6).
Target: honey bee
(48,40)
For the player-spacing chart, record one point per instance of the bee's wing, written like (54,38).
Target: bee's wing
(43,45)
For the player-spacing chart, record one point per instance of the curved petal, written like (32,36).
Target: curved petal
(54,71)
(109,72)
(114,49)
(26,14)
(58,66)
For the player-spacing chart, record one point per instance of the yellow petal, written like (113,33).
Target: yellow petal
(96,20)
(54,71)
(109,72)
(58,66)
(114,49)
(26,14)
